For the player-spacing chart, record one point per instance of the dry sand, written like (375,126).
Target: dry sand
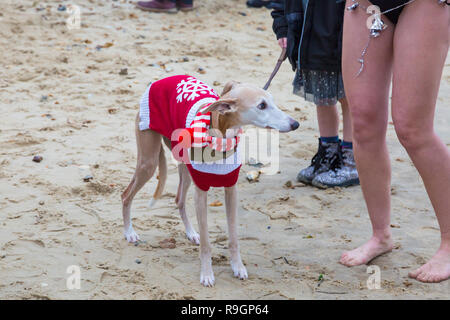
(65,100)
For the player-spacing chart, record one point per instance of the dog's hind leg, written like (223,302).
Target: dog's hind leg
(185,182)
(149,146)
(162,177)
(237,266)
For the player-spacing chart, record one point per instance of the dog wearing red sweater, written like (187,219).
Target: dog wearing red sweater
(202,130)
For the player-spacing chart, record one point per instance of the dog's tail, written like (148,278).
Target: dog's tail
(162,176)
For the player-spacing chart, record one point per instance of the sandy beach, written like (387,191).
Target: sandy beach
(71,96)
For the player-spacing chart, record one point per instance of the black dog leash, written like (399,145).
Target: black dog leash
(277,67)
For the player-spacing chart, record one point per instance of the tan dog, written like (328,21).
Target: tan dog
(239,105)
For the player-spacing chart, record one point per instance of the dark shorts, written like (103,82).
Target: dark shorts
(389,4)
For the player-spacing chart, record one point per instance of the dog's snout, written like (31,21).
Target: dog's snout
(295,125)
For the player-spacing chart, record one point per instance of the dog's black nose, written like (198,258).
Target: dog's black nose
(295,125)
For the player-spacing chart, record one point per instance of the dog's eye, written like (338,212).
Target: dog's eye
(262,106)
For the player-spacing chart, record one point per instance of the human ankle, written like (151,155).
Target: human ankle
(445,245)
(382,235)
(347,144)
(330,139)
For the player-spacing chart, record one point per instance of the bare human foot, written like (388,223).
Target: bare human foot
(368,251)
(435,270)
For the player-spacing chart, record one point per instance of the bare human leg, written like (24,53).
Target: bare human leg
(420,49)
(368,97)
(347,121)
(328,120)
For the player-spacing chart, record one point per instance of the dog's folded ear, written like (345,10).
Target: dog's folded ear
(228,86)
(222,106)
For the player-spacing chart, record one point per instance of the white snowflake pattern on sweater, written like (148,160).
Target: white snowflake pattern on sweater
(191,89)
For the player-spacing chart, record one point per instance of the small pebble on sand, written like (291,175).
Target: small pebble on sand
(88,178)
(37,158)
(216,203)
(252,176)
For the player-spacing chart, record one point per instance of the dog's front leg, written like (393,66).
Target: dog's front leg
(237,266)
(206,274)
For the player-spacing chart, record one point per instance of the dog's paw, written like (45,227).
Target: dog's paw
(131,235)
(193,237)
(239,270)
(207,279)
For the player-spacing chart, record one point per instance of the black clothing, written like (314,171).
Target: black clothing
(389,4)
(313,29)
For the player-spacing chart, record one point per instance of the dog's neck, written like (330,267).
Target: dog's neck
(222,122)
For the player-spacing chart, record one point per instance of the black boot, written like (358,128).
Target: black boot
(327,155)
